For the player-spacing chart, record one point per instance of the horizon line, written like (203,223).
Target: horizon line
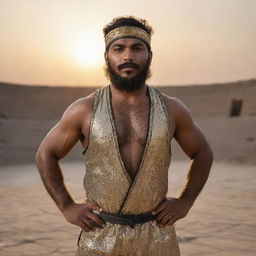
(99,86)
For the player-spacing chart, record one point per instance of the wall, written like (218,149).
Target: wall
(27,113)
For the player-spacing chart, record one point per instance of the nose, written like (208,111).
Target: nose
(128,55)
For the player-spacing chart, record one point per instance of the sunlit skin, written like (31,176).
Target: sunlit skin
(131,111)
(127,50)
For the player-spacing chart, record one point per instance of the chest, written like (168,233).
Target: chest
(131,122)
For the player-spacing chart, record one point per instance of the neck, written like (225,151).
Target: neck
(128,96)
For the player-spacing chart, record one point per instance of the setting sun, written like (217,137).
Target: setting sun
(62,42)
(88,53)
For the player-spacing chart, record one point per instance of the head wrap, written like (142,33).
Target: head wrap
(125,32)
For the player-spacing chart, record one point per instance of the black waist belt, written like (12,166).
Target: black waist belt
(130,220)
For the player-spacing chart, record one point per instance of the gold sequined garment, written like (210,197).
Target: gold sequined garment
(108,184)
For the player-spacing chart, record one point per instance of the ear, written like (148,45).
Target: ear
(105,56)
(150,54)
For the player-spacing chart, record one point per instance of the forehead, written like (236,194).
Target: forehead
(127,42)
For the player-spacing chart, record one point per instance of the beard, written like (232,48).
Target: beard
(128,84)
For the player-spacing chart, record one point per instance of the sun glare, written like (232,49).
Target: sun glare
(89,53)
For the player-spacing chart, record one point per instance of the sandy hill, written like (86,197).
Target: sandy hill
(225,112)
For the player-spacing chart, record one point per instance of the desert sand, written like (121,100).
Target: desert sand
(222,221)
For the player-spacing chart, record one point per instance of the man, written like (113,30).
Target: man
(126,129)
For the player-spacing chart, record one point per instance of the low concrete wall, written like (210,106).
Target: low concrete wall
(27,113)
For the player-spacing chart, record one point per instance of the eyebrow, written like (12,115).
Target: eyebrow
(123,45)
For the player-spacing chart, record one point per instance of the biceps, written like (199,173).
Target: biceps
(191,140)
(59,141)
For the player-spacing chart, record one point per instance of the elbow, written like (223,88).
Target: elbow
(38,156)
(211,155)
(43,155)
(208,155)
(204,153)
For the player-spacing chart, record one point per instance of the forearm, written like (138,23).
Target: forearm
(197,175)
(52,178)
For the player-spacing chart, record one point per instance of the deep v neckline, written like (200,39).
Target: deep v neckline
(114,131)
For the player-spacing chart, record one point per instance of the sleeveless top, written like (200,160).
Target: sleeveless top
(108,184)
(106,181)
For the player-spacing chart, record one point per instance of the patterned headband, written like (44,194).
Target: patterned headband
(127,31)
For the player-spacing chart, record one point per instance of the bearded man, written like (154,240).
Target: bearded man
(126,130)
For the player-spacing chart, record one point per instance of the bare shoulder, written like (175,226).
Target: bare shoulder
(82,104)
(187,132)
(177,109)
(78,110)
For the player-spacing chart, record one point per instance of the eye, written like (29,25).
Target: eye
(137,49)
(117,49)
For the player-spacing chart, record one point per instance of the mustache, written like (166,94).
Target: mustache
(128,65)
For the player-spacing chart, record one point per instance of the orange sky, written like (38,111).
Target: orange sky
(60,42)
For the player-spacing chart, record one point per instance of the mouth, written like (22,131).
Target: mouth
(128,66)
(128,71)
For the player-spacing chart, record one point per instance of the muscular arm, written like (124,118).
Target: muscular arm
(193,142)
(54,147)
(58,142)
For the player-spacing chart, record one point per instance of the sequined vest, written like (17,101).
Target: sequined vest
(107,181)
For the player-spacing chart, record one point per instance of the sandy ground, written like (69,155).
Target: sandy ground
(222,221)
